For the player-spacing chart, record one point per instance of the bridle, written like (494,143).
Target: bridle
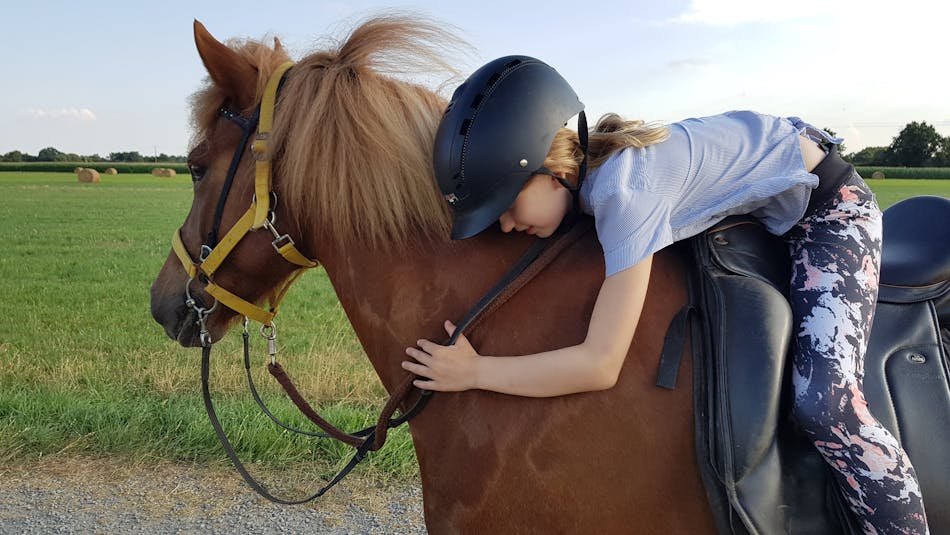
(260,215)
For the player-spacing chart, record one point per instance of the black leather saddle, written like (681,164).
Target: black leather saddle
(762,476)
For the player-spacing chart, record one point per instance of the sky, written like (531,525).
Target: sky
(96,77)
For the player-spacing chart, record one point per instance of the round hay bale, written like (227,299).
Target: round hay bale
(77,170)
(163,172)
(88,175)
(877,174)
(111,171)
(169,173)
(157,171)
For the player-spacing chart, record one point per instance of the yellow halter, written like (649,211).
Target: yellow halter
(256,217)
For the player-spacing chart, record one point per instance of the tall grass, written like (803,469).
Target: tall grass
(84,368)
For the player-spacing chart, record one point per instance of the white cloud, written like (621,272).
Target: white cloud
(82,114)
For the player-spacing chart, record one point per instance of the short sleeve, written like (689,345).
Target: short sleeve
(631,225)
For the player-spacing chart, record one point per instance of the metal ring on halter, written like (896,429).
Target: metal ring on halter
(191,303)
(205,252)
(268,331)
(271,212)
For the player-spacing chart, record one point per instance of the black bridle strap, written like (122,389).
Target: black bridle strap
(248,127)
(248,478)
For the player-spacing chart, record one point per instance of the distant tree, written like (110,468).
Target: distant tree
(12,156)
(49,154)
(942,157)
(915,145)
(841,149)
(870,156)
(132,156)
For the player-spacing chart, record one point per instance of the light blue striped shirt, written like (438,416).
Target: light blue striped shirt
(739,162)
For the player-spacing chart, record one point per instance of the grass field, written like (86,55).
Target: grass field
(84,369)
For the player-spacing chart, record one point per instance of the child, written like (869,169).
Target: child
(502,154)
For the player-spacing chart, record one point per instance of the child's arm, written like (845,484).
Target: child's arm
(592,365)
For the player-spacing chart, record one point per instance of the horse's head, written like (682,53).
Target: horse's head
(350,151)
(223,168)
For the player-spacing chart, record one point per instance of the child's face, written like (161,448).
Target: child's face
(538,209)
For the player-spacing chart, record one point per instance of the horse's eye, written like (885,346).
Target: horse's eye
(197,172)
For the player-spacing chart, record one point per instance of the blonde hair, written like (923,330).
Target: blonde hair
(611,134)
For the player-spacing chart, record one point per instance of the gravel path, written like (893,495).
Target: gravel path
(101,496)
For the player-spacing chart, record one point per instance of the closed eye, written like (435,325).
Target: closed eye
(197,172)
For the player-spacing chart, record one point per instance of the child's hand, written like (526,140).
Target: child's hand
(448,368)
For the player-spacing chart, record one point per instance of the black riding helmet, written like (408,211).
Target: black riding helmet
(496,133)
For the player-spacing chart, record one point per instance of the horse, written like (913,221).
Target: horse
(351,148)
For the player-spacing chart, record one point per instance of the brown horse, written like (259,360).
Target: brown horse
(351,148)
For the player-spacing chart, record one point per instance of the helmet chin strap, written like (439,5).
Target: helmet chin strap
(572,216)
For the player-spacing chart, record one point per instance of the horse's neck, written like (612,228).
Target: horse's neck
(394,298)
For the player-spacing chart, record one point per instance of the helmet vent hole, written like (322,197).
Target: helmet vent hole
(478,100)
(466,126)
(512,63)
(494,78)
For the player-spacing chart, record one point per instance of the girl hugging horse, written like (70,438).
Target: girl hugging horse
(502,154)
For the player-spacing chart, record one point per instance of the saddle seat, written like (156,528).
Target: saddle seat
(761,474)
(915,262)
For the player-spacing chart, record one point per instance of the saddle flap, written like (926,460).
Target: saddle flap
(772,478)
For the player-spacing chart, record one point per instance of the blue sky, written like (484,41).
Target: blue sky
(98,77)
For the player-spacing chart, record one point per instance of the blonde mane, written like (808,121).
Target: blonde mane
(352,145)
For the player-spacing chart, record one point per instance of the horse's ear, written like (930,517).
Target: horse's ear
(278,47)
(228,70)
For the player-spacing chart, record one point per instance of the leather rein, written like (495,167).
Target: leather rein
(261,215)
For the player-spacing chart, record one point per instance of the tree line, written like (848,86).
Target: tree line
(51,154)
(917,145)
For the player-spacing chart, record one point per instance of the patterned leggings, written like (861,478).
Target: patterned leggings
(836,252)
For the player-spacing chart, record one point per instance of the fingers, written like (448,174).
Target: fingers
(428,346)
(424,385)
(420,355)
(414,367)
(449,327)
(422,371)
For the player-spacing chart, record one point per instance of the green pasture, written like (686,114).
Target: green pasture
(85,370)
